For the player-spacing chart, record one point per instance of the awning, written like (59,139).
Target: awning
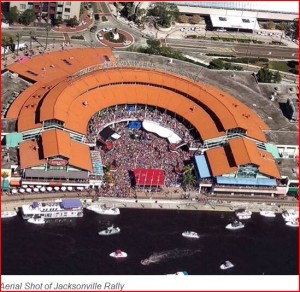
(149,177)
(202,166)
(246,181)
(135,125)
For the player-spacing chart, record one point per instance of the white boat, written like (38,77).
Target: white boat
(293,223)
(67,208)
(37,220)
(227,265)
(243,212)
(118,254)
(267,213)
(103,209)
(179,274)
(235,225)
(290,214)
(8,214)
(190,234)
(244,217)
(110,231)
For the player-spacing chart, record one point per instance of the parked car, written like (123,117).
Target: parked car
(93,28)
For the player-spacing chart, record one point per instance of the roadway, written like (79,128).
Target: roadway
(275,52)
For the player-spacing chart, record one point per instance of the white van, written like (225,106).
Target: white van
(22,46)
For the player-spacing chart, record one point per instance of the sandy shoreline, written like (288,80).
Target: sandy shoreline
(162,204)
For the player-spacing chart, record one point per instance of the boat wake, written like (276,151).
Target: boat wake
(169,254)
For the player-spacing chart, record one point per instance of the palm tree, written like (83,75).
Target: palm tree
(189,179)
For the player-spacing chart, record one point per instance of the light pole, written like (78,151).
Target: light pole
(18,39)
(53,43)
(47,34)
(92,43)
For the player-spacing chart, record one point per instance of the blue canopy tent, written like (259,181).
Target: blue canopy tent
(135,125)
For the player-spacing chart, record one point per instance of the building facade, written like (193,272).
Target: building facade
(49,10)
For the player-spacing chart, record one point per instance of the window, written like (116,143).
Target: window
(68,3)
(67,17)
(22,6)
(222,18)
(245,20)
(67,9)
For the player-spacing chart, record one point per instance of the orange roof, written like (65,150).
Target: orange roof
(245,151)
(29,155)
(218,162)
(56,142)
(80,156)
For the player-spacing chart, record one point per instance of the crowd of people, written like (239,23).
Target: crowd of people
(137,148)
(139,113)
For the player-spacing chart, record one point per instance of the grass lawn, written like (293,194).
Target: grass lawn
(279,65)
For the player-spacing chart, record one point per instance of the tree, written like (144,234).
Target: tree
(216,64)
(195,19)
(165,13)
(269,25)
(189,179)
(295,28)
(8,39)
(277,77)
(57,21)
(27,17)
(13,15)
(183,19)
(72,22)
(264,75)
(4,175)
(282,26)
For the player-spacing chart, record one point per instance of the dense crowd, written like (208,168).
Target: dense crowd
(113,115)
(140,149)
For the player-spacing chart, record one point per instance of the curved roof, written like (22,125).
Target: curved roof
(55,96)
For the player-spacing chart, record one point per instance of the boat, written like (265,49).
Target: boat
(267,213)
(67,208)
(235,225)
(118,254)
(243,214)
(103,209)
(8,214)
(110,231)
(293,223)
(37,220)
(227,265)
(179,274)
(290,214)
(244,217)
(190,234)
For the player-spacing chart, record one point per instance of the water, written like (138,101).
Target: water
(73,246)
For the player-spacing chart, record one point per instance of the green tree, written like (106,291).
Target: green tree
(264,75)
(27,17)
(189,179)
(195,19)
(4,175)
(295,28)
(8,39)
(73,22)
(57,21)
(216,64)
(282,26)
(277,77)
(13,15)
(165,13)
(183,19)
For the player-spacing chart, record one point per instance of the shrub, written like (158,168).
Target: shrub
(77,37)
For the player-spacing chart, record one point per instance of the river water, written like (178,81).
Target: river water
(73,246)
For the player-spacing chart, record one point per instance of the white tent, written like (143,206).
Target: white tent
(28,190)
(42,189)
(14,191)
(56,188)
(36,190)
(21,191)
(63,189)
(49,189)
(70,189)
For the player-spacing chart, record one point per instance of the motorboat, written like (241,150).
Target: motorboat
(243,213)
(190,234)
(179,274)
(37,220)
(118,254)
(226,265)
(8,214)
(235,225)
(110,230)
(293,223)
(267,213)
(244,217)
(103,209)
(290,214)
